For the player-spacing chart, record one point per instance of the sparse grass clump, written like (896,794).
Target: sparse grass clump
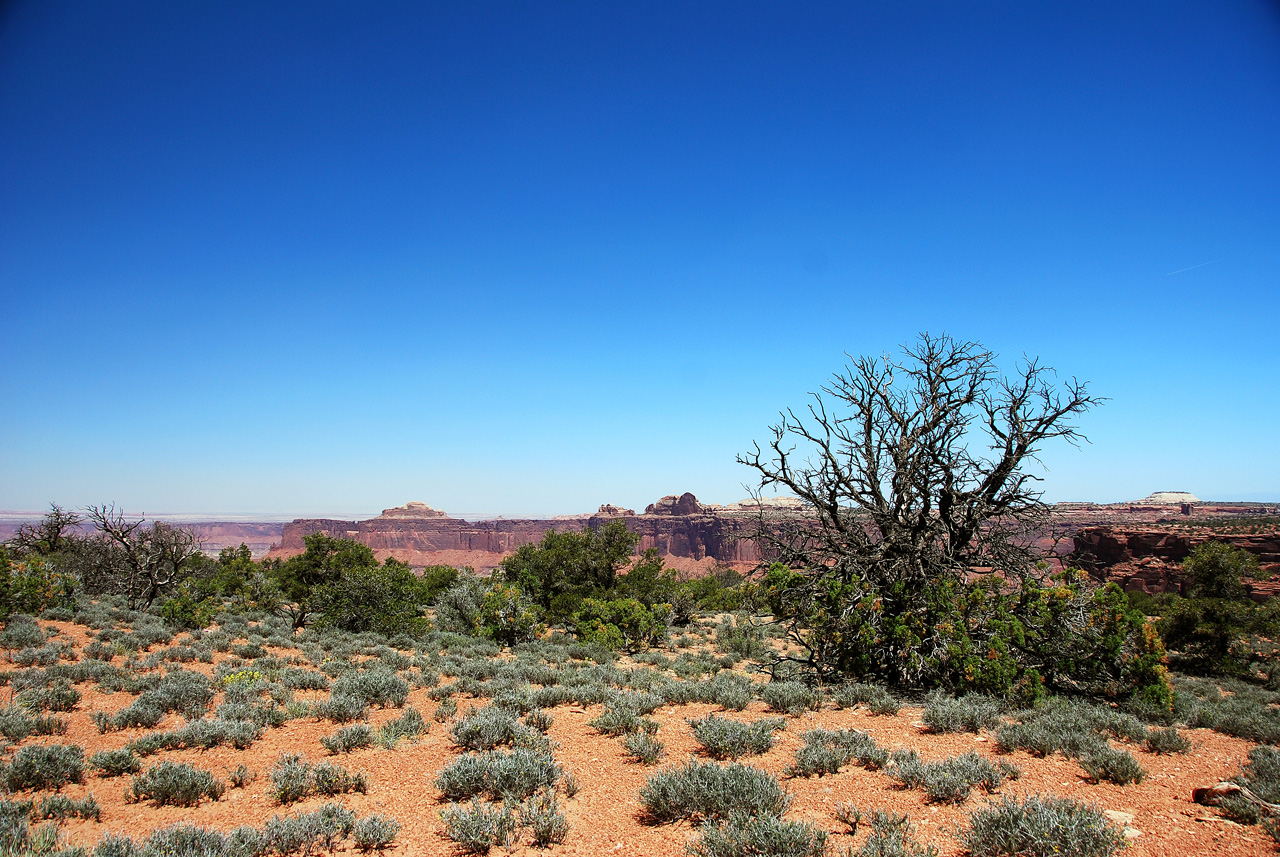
(409,725)
(176,784)
(37,768)
(542,816)
(722,738)
(704,790)
(1041,827)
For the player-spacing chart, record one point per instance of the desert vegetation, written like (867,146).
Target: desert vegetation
(866,693)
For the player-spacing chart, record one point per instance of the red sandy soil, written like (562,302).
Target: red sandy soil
(605,816)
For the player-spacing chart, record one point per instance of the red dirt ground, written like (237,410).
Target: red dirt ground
(604,816)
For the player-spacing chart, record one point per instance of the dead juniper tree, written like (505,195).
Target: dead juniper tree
(912,468)
(134,559)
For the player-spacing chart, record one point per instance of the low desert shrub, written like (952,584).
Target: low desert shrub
(240,776)
(499,774)
(705,790)
(542,816)
(969,713)
(294,778)
(115,763)
(790,697)
(489,727)
(825,751)
(1041,827)
(176,784)
(764,835)
(409,725)
(340,708)
(1113,766)
(38,767)
(892,835)
(60,807)
(348,738)
(59,696)
(479,826)
(379,687)
(876,698)
(1167,740)
(643,747)
(375,832)
(950,780)
(722,738)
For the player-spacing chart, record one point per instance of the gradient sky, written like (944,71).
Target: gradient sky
(527,258)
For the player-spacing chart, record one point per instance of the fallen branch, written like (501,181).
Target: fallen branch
(1213,795)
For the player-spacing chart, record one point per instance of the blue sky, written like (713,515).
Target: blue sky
(530,258)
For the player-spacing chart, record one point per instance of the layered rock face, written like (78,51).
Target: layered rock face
(1148,559)
(689,536)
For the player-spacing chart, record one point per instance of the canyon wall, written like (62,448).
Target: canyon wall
(1149,558)
(688,535)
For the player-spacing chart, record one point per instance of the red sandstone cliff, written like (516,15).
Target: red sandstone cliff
(688,535)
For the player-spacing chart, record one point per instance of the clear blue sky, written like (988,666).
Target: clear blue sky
(528,258)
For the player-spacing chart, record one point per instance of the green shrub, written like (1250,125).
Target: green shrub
(375,832)
(477,826)
(176,784)
(764,835)
(735,635)
(507,616)
(622,623)
(708,790)
(1041,827)
(643,747)
(790,697)
(115,763)
(721,738)
(348,738)
(45,767)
